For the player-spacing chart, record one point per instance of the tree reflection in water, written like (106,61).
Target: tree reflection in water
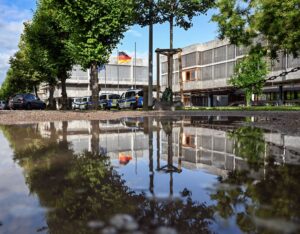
(79,188)
(266,197)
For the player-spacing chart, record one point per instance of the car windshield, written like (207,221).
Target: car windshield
(30,97)
(114,96)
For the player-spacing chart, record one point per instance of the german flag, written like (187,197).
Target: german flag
(123,58)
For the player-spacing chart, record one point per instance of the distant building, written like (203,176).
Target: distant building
(115,78)
(208,66)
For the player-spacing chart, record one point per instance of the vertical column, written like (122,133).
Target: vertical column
(150,78)
(151,171)
(158,75)
(158,145)
(210,100)
(180,77)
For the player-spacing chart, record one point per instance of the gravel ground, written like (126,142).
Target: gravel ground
(283,121)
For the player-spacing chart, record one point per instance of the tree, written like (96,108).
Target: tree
(249,75)
(274,22)
(21,77)
(180,13)
(48,51)
(95,28)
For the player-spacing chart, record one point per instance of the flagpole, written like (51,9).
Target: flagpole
(118,72)
(132,74)
(135,65)
(105,76)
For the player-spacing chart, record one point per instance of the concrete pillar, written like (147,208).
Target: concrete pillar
(158,76)
(210,100)
(281,98)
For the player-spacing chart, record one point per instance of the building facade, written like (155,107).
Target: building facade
(207,67)
(113,78)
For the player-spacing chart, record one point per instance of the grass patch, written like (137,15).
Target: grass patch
(242,108)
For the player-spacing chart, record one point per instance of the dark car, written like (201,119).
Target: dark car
(27,101)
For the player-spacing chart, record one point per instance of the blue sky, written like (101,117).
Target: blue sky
(14,12)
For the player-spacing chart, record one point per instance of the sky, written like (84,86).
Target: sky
(13,13)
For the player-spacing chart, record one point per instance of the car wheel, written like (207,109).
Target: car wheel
(118,107)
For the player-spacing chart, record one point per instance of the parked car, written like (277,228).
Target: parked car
(3,105)
(76,103)
(132,98)
(82,103)
(27,101)
(108,100)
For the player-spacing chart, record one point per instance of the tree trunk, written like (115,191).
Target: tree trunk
(170,57)
(51,104)
(248,95)
(64,96)
(95,86)
(35,91)
(95,144)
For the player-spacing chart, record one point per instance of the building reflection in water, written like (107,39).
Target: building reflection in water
(191,143)
(247,161)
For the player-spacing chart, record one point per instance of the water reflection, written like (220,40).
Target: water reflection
(196,174)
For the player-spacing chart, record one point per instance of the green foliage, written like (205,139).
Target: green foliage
(249,75)
(80,188)
(48,51)
(95,27)
(274,22)
(167,95)
(182,11)
(21,77)
(47,42)
(249,144)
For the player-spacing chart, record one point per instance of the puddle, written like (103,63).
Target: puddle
(149,175)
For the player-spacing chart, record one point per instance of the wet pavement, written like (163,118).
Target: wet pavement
(149,175)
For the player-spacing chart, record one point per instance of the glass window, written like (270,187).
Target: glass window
(220,54)
(206,57)
(130,94)
(102,97)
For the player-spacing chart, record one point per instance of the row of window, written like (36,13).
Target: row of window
(219,71)
(112,72)
(274,96)
(228,52)
(223,53)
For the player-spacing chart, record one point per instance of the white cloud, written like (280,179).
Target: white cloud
(11,27)
(134,33)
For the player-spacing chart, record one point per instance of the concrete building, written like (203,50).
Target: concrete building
(115,78)
(207,67)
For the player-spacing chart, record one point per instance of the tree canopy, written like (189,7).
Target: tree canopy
(271,23)
(249,75)
(95,28)
(21,76)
